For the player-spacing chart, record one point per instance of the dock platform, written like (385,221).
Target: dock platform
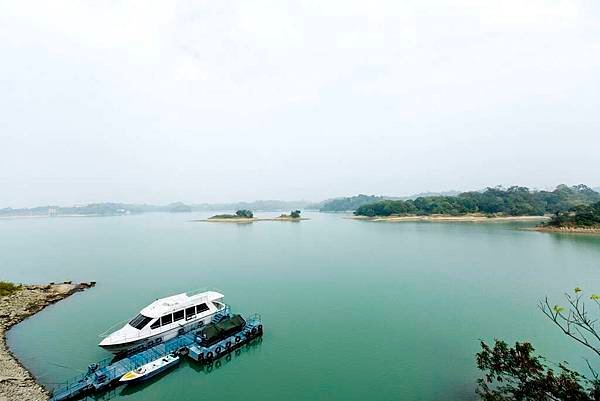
(106,373)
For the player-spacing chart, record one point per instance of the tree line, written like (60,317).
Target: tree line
(512,201)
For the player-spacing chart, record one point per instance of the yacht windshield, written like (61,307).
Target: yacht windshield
(140,321)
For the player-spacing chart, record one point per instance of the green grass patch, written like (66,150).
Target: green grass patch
(7,288)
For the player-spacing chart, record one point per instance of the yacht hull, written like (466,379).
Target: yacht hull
(155,339)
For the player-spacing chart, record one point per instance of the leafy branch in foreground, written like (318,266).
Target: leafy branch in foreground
(575,322)
(517,374)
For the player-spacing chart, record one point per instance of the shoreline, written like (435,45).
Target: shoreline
(470,218)
(567,230)
(244,220)
(16,382)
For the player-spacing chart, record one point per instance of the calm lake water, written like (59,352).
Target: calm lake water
(352,310)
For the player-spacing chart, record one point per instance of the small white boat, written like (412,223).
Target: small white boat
(151,369)
(163,319)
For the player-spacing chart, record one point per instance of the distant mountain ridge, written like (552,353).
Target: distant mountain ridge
(259,205)
(116,209)
(95,209)
(341,204)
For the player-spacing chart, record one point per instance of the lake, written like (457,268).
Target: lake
(353,310)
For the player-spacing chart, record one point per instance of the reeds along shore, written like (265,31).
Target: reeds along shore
(16,383)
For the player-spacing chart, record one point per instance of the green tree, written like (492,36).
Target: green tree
(516,374)
(578,216)
(245,213)
(7,288)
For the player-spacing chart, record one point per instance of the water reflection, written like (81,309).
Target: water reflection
(582,243)
(247,349)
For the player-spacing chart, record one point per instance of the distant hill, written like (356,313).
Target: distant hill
(178,207)
(94,209)
(426,194)
(259,205)
(348,204)
(117,209)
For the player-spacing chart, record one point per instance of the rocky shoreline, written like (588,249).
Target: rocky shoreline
(16,383)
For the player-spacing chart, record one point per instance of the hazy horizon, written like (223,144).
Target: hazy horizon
(307,200)
(205,102)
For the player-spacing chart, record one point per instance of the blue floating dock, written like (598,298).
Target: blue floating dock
(107,373)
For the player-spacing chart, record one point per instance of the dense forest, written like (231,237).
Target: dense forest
(513,201)
(351,203)
(578,216)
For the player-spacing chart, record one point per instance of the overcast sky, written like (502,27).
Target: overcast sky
(206,101)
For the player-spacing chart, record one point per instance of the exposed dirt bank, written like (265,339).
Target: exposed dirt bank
(16,383)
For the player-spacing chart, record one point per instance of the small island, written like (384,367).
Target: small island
(247,216)
(584,219)
(293,216)
(240,216)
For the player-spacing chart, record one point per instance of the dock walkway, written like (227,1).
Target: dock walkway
(107,373)
(102,374)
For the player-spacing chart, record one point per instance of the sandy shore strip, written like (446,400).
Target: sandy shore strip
(243,220)
(471,218)
(567,230)
(16,383)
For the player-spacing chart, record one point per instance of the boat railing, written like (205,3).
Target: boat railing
(254,317)
(112,328)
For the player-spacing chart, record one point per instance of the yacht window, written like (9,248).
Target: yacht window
(166,319)
(201,308)
(178,315)
(140,321)
(190,313)
(156,324)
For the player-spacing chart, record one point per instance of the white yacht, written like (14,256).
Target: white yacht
(163,319)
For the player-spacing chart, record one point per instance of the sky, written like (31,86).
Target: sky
(211,101)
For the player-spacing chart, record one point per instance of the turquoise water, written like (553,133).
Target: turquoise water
(352,310)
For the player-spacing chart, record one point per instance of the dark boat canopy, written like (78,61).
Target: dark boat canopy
(214,332)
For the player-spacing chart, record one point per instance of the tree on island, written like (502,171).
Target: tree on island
(578,216)
(516,374)
(295,214)
(245,213)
